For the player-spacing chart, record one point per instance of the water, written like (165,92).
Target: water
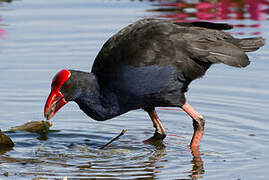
(38,38)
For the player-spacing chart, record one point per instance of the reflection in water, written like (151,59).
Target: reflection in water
(125,158)
(197,162)
(198,165)
(9,1)
(2,30)
(2,33)
(213,10)
(2,26)
(5,149)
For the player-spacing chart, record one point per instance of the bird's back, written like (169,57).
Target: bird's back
(190,47)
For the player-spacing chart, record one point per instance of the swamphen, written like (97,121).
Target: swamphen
(149,64)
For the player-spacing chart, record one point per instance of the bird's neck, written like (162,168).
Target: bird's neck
(97,102)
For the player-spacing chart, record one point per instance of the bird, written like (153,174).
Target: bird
(147,64)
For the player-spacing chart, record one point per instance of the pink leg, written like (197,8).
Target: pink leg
(198,125)
(160,132)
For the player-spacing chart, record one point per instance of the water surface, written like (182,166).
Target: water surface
(38,38)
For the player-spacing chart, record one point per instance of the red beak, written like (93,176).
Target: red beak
(54,102)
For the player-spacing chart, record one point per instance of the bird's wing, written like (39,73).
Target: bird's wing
(205,42)
(217,52)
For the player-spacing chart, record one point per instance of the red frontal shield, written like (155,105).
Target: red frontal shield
(55,99)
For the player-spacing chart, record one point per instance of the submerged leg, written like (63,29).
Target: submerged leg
(160,132)
(198,124)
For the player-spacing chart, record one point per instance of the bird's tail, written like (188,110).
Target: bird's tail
(251,44)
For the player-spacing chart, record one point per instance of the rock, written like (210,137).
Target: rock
(40,127)
(5,141)
(5,174)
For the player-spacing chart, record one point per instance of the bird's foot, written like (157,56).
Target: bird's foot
(157,137)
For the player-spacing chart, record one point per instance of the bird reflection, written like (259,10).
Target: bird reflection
(197,163)
(4,150)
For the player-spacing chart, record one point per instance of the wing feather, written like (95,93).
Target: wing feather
(218,52)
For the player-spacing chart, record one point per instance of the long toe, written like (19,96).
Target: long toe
(157,137)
